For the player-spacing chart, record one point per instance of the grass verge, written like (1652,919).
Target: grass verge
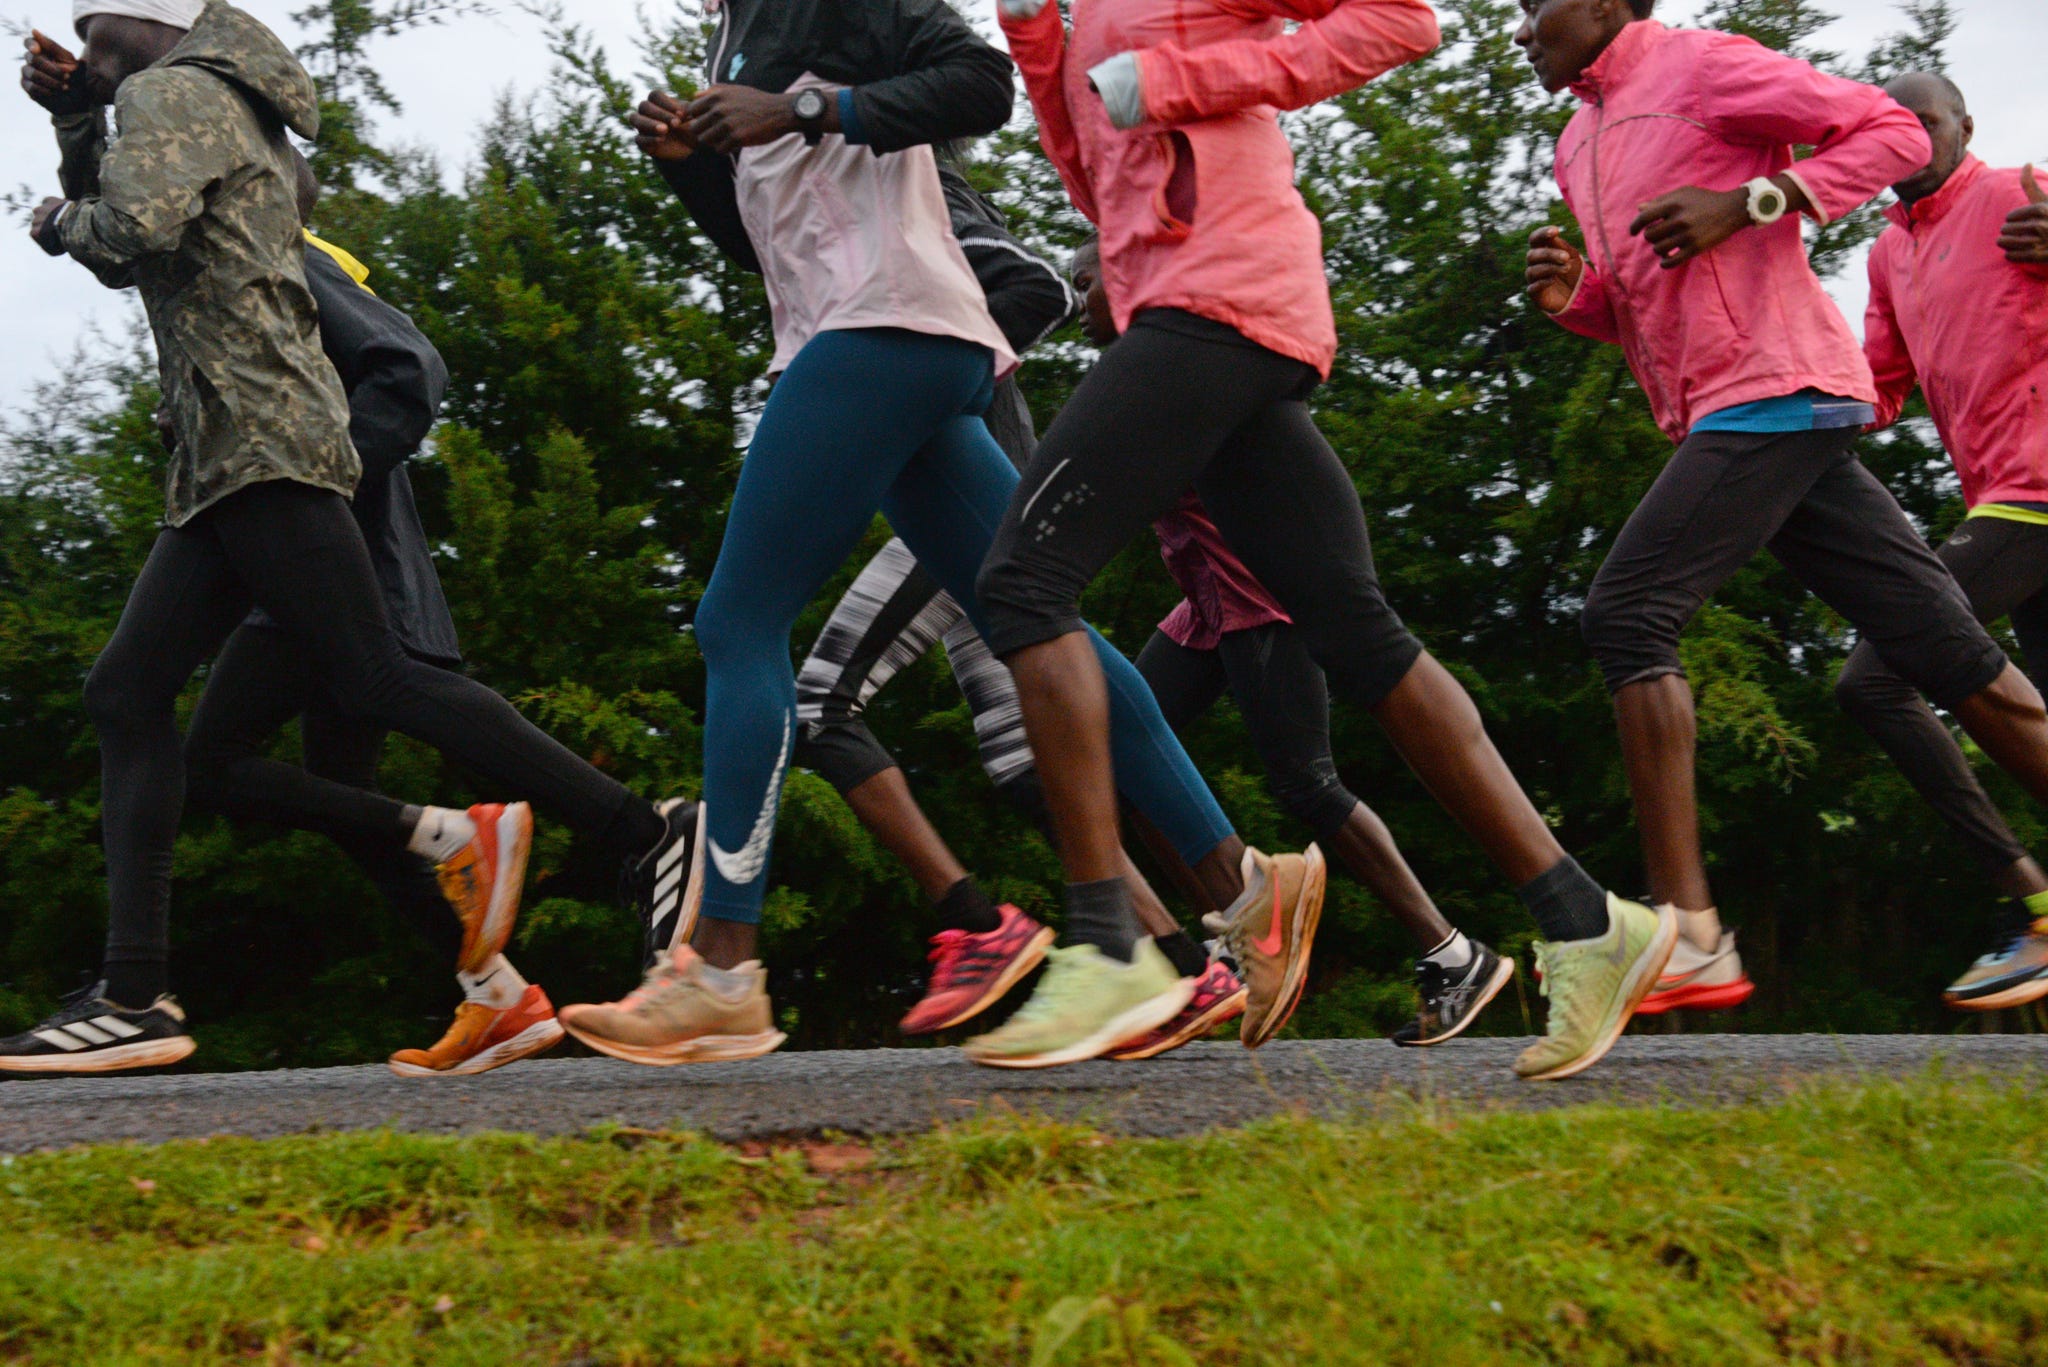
(1890,1223)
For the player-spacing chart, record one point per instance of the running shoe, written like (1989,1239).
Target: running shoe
(1452,998)
(1269,930)
(486,1037)
(484,879)
(2013,974)
(1219,996)
(1086,1004)
(89,1034)
(970,972)
(667,883)
(1700,980)
(1594,987)
(677,1016)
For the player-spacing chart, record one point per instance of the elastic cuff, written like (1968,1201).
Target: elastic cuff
(746,916)
(1985,675)
(1649,675)
(1003,642)
(1021,9)
(1818,212)
(849,119)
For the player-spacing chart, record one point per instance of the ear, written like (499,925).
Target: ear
(1969,129)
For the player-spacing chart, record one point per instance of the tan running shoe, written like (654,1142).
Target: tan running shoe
(1268,932)
(485,1037)
(677,1016)
(484,879)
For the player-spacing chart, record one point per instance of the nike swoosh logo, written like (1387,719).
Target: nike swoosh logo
(1270,945)
(742,866)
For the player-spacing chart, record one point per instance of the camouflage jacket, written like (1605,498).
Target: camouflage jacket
(194,202)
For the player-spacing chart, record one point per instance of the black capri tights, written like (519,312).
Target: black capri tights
(1181,401)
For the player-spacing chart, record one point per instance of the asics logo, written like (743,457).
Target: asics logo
(744,865)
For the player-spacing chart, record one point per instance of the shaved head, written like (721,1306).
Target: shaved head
(1939,105)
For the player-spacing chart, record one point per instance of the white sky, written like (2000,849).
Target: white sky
(447,79)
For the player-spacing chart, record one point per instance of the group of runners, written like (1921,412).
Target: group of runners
(820,153)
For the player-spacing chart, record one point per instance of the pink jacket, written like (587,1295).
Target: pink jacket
(1222,596)
(1948,310)
(1665,108)
(1197,205)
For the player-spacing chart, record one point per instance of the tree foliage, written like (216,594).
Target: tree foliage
(607,368)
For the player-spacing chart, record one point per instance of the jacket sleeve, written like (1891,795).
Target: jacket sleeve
(1339,46)
(1891,365)
(951,84)
(1026,296)
(156,174)
(81,142)
(1591,310)
(1863,139)
(704,182)
(1039,46)
(394,377)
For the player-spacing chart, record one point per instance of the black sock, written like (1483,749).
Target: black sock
(1101,914)
(409,819)
(1566,902)
(136,985)
(966,907)
(1183,953)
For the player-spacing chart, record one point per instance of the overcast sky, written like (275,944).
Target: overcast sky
(447,78)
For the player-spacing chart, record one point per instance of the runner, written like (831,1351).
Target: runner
(809,158)
(1755,375)
(1958,306)
(195,203)
(1214,268)
(1229,634)
(894,613)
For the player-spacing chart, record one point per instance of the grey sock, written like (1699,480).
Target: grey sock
(1566,902)
(1101,914)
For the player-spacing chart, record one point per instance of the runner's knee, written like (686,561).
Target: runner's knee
(1313,795)
(1632,638)
(1025,602)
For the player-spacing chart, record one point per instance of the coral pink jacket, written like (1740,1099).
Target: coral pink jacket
(1949,311)
(1197,205)
(1665,108)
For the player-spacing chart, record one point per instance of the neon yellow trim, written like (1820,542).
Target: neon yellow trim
(2007,513)
(357,271)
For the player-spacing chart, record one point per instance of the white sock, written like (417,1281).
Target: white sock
(497,985)
(1455,952)
(1702,928)
(441,833)
(729,983)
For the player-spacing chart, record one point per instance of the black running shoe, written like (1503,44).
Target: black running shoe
(1452,998)
(667,883)
(90,1034)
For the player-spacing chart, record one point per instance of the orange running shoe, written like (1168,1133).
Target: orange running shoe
(483,1038)
(483,880)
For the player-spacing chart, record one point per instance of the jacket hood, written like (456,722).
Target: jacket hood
(236,47)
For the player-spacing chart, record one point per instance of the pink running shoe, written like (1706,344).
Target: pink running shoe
(971,972)
(1219,997)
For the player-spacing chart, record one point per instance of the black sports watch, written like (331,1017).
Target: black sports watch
(809,107)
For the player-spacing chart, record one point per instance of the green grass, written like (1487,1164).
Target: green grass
(1883,1224)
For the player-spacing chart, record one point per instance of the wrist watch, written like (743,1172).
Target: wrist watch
(809,108)
(1767,203)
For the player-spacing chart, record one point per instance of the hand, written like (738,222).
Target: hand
(1688,222)
(661,126)
(50,77)
(2024,239)
(1555,269)
(39,222)
(726,118)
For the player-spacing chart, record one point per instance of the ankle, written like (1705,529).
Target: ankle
(1100,914)
(966,907)
(440,833)
(1702,928)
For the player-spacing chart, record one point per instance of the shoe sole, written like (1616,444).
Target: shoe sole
(1502,972)
(1230,1008)
(534,1039)
(2021,994)
(1717,997)
(118,1058)
(1308,915)
(1146,1015)
(702,1049)
(1643,975)
(508,884)
(1030,957)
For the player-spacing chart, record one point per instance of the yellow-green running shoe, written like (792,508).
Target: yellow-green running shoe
(1595,985)
(1086,1005)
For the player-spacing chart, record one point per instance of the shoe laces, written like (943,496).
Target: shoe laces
(1556,968)
(1430,979)
(1062,985)
(945,954)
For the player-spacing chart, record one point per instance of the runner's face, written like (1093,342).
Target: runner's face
(1948,127)
(1096,320)
(116,47)
(1561,38)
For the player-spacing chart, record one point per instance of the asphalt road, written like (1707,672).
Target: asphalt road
(892,1091)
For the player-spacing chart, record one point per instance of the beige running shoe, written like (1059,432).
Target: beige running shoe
(1269,930)
(677,1016)
(1594,987)
(1700,980)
